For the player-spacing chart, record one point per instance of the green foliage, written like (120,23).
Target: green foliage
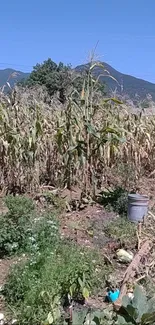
(89,316)
(49,276)
(121,229)
(43,233)
(14,224)
(139,311)
(22,229)
(19,206)
(116,199)
(56,78)
(53,269)
(54,200)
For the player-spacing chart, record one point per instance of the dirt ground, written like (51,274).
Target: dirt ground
(85,227)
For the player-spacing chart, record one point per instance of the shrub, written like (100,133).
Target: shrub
(23,230)
(116,200)
(14,224)
(19,207)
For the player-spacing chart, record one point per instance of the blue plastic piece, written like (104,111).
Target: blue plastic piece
(113,296)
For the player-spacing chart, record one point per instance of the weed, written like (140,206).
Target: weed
(138,311)
(117,200)
(61,269)
(19,207)
(23,230)
(121,229)
(43,233)
(55,201)
(14,224)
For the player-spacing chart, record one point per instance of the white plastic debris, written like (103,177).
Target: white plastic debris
(123,256)
(131,295)
(1,316)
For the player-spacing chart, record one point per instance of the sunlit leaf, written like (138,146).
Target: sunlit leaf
(50,318)
(85,293)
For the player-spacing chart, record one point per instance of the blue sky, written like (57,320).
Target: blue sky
(65,30)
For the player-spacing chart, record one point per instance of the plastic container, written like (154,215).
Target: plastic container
(137,207)
(112,296)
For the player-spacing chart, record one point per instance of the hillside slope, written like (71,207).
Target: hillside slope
(12,76)
(126,84)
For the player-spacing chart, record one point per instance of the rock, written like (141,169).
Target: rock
(123,256)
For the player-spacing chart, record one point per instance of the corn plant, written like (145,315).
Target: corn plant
(80,139)
(43,142)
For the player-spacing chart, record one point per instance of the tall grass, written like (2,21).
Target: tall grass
(63,146)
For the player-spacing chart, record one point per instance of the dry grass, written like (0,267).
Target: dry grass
(42,142)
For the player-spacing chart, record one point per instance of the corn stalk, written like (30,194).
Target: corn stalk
(48,144)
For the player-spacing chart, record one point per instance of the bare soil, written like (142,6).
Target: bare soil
(86,226)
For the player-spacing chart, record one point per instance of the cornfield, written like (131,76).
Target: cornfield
(72,145)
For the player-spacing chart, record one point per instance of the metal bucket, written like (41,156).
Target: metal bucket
(137,207)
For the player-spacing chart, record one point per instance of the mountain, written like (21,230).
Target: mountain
(12,76)
(126,84)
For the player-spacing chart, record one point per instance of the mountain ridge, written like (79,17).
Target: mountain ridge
(125,85)
(12,76)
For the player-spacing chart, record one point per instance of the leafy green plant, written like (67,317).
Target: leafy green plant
(54,200)
(55,311)
(116,199)
(139,311)
(43,232)
(121,229)
(60,269)
(14,224)
(22,229)
(88,316)
(19,206)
